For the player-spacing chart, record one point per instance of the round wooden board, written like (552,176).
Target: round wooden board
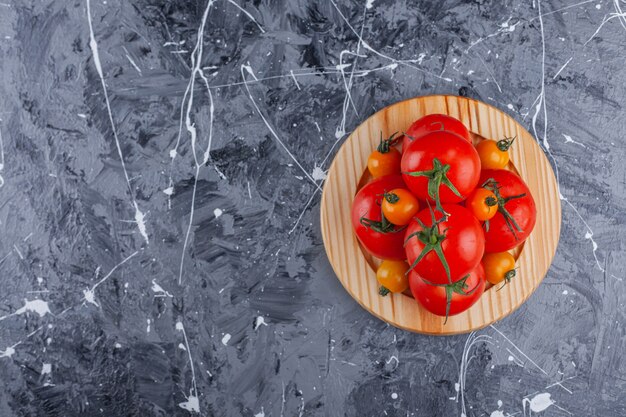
(355,269)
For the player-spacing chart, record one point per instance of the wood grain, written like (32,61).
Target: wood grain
(356,270)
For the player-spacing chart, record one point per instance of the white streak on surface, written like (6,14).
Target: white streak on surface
(196,60)
(131,61)
(620,15)
(541,106)
(90,293)
(193,402)
(1,159)
(139,216)
(248,69)
(226,339)
(562,68)
(295,80)
(247,14)
(493,77)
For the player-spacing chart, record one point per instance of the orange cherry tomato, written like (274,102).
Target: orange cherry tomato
(494,155)
(391,276)
(385,160)
(482,203)
(399,206)
(499,266)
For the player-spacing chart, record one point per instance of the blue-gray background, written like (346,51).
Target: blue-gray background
(97,316)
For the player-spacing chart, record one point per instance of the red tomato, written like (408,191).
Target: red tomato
(377,235)
(516,214)
(434,123)
(448,300)
(441,167)
(432,242)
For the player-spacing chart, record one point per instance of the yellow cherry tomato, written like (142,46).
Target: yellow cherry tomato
(399,206)
(499,267)
(494,155)
(391,276)
(482,203)
(385,160)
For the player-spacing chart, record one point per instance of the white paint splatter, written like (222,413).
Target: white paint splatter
(225,339)
(568,139)
(182,347)
(192,404)
(497,413)
(369,4)
(37,306)
(159,290)
(8,352)
(538,403)
(168,191)
(118,346)
(260,413)
(394,396)
(260,321)
(217,213)
(46,369)
(148,327)
(318,174)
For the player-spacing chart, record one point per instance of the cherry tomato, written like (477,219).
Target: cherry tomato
(441,167)
(385,160)
(399,206)
(499,267)
(392,277)
(482,203)
(444,250)
(494,155)
(434,123)
(516,215)
(451,299)
(377,235)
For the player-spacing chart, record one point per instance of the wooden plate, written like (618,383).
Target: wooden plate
(356,270)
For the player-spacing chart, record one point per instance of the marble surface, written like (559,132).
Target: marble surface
(160,167)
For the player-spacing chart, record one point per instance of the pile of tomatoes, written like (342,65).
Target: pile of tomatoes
(442,214)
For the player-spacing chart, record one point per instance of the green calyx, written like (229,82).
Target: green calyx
(493,186)
(381,226)
(436,177)
(507,278)
(431,239)
(386,144)
(391,198)
(383,291)
(505,144)
(460,287)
